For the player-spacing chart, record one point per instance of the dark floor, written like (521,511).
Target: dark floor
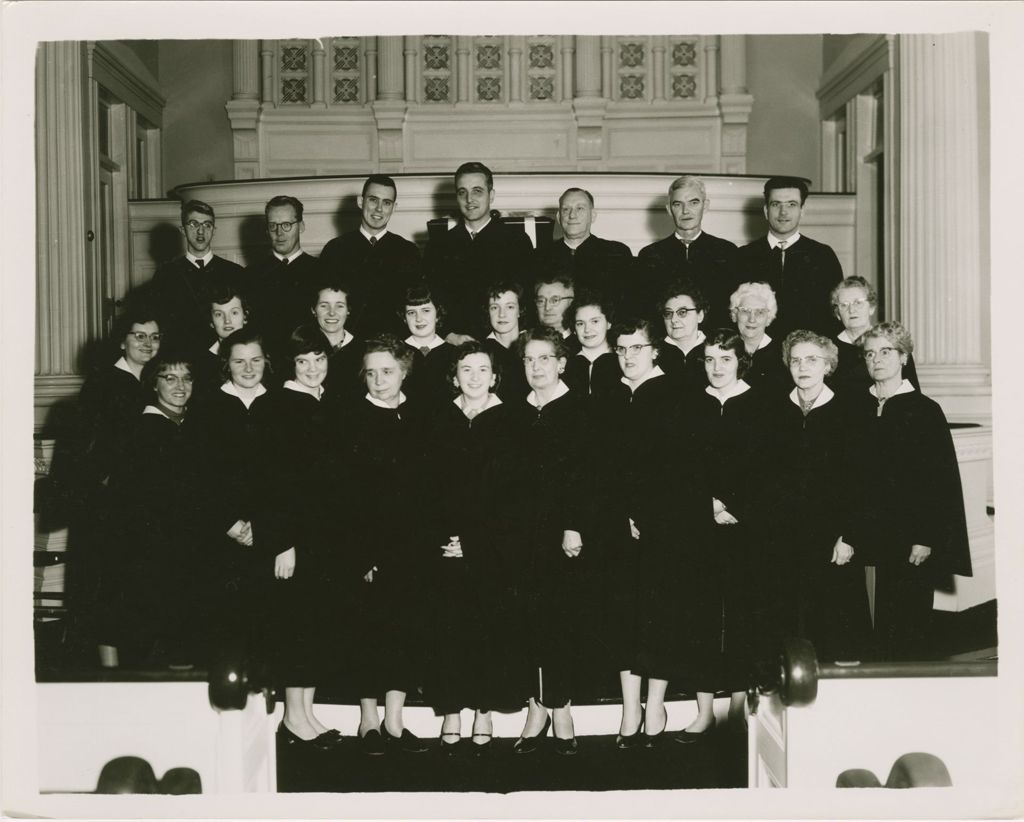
(720,762)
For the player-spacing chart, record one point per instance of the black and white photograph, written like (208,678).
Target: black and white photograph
(599,410)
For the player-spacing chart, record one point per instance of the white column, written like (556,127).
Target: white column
(390,106)
(711,69)
(734,102)
(588,105)
(318,79)
(941,277)
(390,69)
(370,66)
(607,53)
(244,106)
(658,67)
(411,52)
(464,46)
(588,66)
(267,68)
(733,57)
(568,48)
(245,79)
(517,43)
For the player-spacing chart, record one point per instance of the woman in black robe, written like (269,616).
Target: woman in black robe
(682,308)
(551,425)
(505,312)
(159,599)
(660,617)
(380,578)
(914,529)
(302,430)
(753,308)
(474,564)
(815,498)
(427,383)
(229,311)
(593,370)
(330,307)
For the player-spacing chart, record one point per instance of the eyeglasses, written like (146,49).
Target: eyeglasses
(852,304)
(542,360)
(175,379)
(142,336)
(681,313)
(810,360)
(883,353)
(195,225)
(554,302)
(752,313)
(285,227)
(635,349)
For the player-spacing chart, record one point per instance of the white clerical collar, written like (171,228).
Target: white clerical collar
(906,387)
(192,258)
(381,404)
(765,342)
(697,340)
(650,375)
(560,391)
(346,337)
(774,241)
(295,385)
(688,242)
(379,235)
(574,244)
(475,231)
(844,336)
(122,363)
(215,348)
(417,343)
(152,409)
(492,401)
(824,397)
(249,397)
(734,390)
(291,257)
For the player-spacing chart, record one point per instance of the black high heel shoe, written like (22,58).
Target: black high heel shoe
(685,737)
(529,744)
(450,748)
(626,741)
(287,737)
(651,740)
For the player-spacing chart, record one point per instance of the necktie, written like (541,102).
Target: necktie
(686,251)
(373,242)
(572,252)
(200,264)
(472,235)
(782,254)
(424,350)
(285,261)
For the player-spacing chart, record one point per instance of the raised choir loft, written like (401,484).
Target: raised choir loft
(887,127)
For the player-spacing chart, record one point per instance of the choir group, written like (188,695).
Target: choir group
(500,475)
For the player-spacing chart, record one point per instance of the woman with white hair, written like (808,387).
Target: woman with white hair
(753,308)
(914,529)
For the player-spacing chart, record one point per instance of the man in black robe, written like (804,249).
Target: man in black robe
(690,253)
(283,283)
(478,251)
(179,289)
(376,264)
(802,272)
(593,263)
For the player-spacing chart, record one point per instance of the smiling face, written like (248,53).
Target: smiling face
(854,310)
(331,311)
(552,300)
(384,376)
(591,326)
(783,211)
(681,328)
(503,311)
(284,229)
(174,386)
(376,206)
(543,368)
(227,317)
(474,198)
(808,364)
(575,215)
(198,230)
(474,376)
(752,317)
(311,368)
(636,355)
(721,365)
(246,364)
(421,320)
(141,343)
(686,205)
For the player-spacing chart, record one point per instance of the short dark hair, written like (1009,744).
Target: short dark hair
(388,344)
(379,180)
(197,206)
(421,295)
(799,183)
(246,335)
(633,325)
(473,347)
(499,287)
(282,200)
(591,297)
(683,288)
(306,339)
(164,358)
(221,292)
(552,276)
(474,168)
(141,313)
(543,333)
(331,282)
(728,339)
(575,190)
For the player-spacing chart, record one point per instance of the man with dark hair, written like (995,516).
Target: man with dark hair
(801,271)
(594,264)
(282,283)
(179,288)
(376,264)
(690,253)
(477,251)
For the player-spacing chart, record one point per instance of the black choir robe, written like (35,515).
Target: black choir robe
(343,366)
(378,276)
(851,374)
(803,287)
(604,266)
(429,381)
(592,379)
(767,371)
(685,369)
(709,261)
(512,385)
(282,295)
(460,269)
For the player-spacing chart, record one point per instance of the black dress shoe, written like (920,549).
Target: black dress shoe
(450,748)
(566,747)
(372,743)
(626,741)
(291,740)
(482,748)
(327,741)
(529,744)
(653,740)
(408,742)
(689,737)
